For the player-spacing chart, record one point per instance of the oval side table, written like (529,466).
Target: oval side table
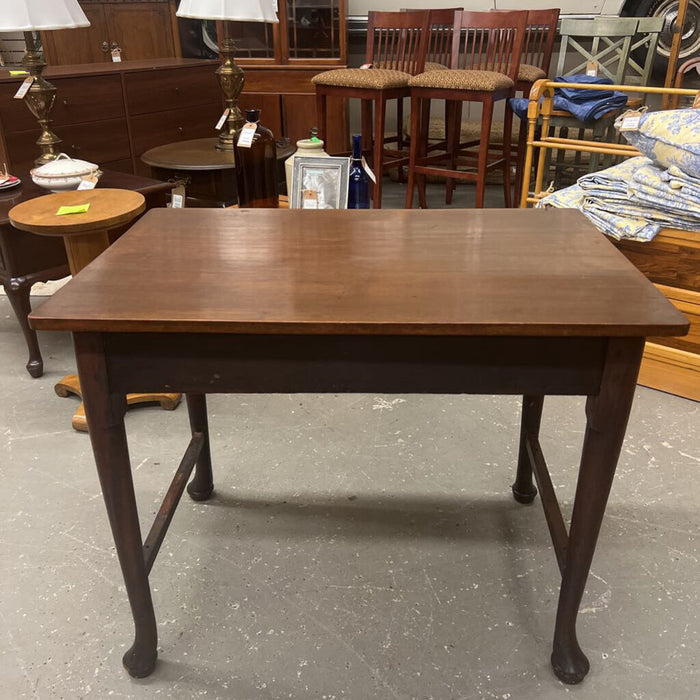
(85,236)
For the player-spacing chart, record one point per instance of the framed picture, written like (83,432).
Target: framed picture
(320,183)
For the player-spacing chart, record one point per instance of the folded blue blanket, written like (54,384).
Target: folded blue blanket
(584,105)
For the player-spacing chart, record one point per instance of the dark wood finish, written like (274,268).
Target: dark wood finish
(84,45)
(427,307)
(206,172)
(110,113)
(26,258)
(176,89)
(486,301)
(142,30)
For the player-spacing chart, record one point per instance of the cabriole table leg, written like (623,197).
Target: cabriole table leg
(105,413)
(607,415)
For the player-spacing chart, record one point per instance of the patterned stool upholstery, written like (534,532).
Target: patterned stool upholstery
(371,78)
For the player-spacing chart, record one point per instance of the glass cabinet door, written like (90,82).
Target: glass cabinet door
(315,29)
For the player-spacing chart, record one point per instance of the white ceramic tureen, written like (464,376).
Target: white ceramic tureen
(64,173)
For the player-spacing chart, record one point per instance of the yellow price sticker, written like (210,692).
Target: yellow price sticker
(19,72)
(75,209)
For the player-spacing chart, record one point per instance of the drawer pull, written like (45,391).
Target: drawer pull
(75,148)
(65,103)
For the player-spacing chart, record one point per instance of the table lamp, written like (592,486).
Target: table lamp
(230,75)
(29,16)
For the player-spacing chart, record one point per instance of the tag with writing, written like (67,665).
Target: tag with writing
(75,209)
(24,88)
(245,138)
(630,123)
(592,68)
(309,199)
(116,55)
(696,101)
(365,66)
(177,197)
(87,185)
(368,170)
(222,119)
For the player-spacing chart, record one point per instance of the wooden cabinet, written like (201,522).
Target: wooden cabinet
(112,113)
(280,60)
(142,30)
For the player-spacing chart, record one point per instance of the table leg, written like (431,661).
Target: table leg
(607,415)
(19,300)
(524,490)
(105,413)
(202,485)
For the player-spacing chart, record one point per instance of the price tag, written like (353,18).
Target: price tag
(178,197)
(368,170)
(222,119)
(76,209)
(116,55)
(696,101)
(365,66)
(630,123)
(245,138)
(24,88)
(87,185)
(309,199)
(592,68)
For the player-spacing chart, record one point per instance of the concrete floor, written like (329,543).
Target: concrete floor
(362,547)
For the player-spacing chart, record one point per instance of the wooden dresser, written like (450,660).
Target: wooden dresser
(111,113)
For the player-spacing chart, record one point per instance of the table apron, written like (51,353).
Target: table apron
(226,363)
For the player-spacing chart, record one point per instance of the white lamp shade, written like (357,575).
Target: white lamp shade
(231,10)
(35,15)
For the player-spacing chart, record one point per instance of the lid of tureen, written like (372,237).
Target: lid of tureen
(65,166)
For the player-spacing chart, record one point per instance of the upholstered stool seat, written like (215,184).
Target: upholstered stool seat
(482,80)
(530,73)
(370,78)
(431,65)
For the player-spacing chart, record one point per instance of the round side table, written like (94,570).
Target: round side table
(85,236)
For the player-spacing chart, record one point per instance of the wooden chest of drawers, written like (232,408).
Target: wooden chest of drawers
(112,113)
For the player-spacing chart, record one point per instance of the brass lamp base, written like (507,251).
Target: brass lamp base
(231,80)
(39,100)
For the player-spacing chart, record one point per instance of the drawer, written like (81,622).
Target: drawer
(150,130)
(156,91)
(78,100)
(99,143)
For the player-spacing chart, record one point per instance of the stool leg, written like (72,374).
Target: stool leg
(379,126)
(423,148)
(486,117)
(454,118)
(507,131)
(413,152)
(400,143)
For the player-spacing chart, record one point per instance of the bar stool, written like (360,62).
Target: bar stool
(486,54)
(85,237)
(396,48)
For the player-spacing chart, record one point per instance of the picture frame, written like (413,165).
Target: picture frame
(320,183)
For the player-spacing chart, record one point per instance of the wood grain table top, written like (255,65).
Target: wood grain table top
(410,272)
(109,208)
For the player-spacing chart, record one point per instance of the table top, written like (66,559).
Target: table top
(109,208)
(508,272)
(110,179)
(198,154)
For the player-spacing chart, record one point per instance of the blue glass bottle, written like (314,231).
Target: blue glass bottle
(358,189)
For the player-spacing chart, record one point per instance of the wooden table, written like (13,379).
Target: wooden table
(528,302)
(206,172)
(26,259)
(85,236)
